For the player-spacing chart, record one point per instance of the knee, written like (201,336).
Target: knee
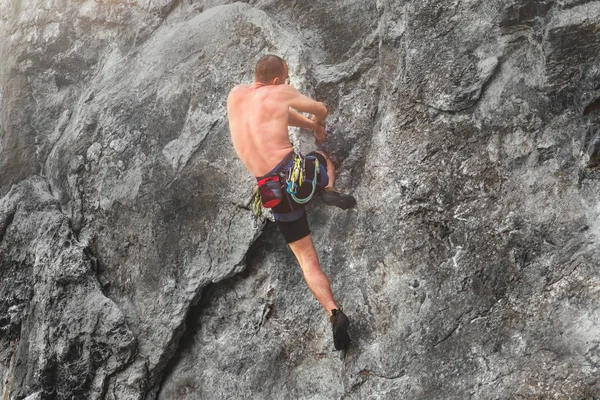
(315,275)
(310,267)
(310,264)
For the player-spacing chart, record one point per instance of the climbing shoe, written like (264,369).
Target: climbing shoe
(339,324)
(331,197)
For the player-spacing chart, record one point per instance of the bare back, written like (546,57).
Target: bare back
(259,116)
(259,126)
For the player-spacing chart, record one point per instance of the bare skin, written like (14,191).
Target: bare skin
(259,115)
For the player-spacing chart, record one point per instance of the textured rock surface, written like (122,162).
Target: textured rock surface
(468,132)
(63,337)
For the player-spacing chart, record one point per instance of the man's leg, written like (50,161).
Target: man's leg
(317,281)
(330,169)
(319,284)
(329,195)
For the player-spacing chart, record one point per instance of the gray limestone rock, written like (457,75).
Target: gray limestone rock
(467,131)
(61,337)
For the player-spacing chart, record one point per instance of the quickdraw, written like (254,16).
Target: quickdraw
(256,208)
(297,176)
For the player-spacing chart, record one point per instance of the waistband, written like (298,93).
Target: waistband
(289,216)
(284,164)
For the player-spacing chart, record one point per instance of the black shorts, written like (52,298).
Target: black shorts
(294,230)
(291,216)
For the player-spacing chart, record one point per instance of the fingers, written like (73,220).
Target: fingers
(319,129)
(318,121)
(320,135)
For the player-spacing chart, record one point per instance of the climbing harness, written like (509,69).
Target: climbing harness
(268,192)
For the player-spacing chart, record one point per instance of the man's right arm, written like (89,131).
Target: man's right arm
(305,104)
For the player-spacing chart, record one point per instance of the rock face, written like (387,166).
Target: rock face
(66,338)
(467,131)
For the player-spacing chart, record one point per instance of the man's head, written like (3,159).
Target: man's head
(271,70)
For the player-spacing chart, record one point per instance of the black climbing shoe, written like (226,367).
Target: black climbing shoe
(339,324)
(331,197)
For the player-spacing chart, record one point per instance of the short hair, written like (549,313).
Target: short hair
(268,68)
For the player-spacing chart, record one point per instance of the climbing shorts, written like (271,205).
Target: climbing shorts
(294,230)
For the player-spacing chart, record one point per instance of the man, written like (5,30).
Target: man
(259,115)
